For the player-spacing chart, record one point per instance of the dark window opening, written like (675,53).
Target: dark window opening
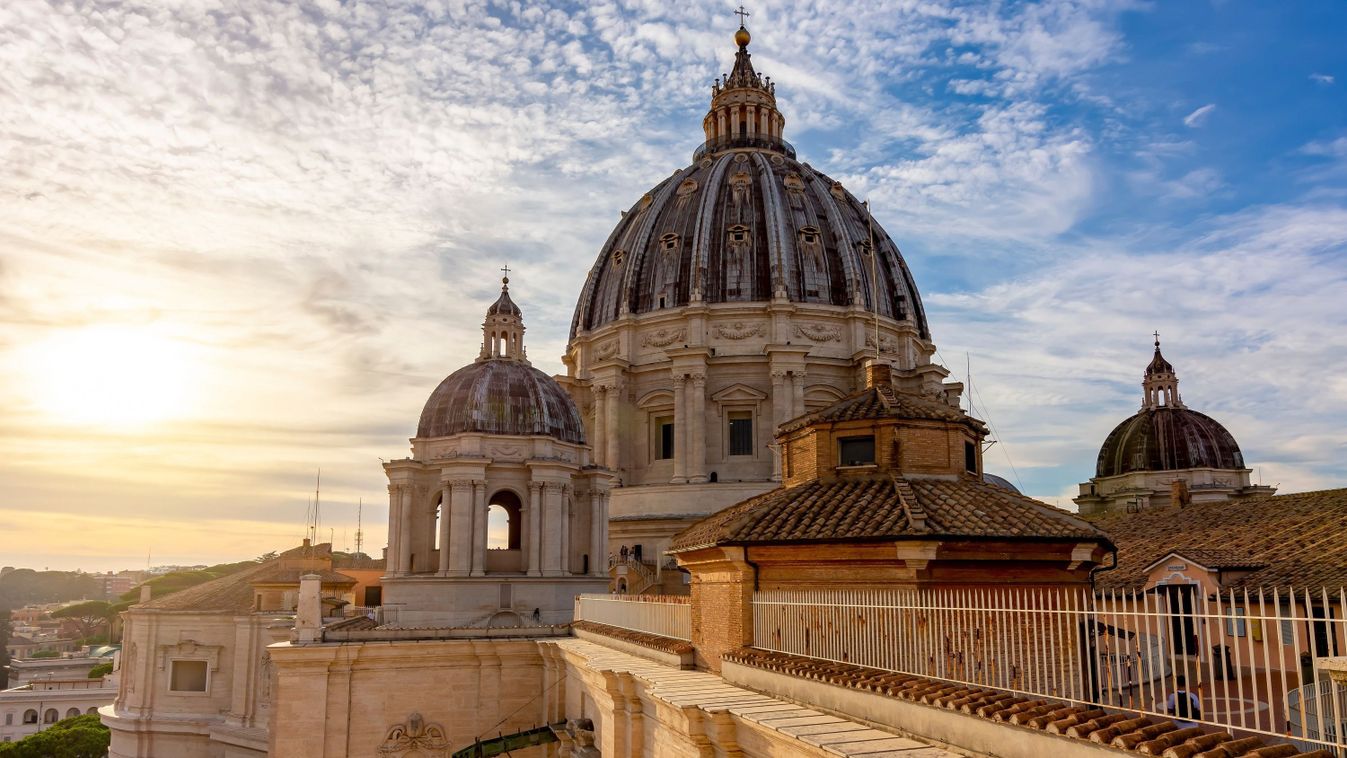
(741,433)
(970,457)
(664,438)
(856,451)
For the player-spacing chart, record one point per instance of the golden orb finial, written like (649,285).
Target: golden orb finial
(741,37)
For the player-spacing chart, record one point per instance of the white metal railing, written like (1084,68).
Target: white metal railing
(664,615)
(1239,652)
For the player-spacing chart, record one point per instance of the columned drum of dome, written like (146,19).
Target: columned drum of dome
(740,292)
(1166,454)
(496,437)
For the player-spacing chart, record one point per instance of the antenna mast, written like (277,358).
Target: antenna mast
(359,535)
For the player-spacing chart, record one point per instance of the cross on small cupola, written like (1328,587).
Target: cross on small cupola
(503,329)
(742,14)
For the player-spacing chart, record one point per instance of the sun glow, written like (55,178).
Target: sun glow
(109,376)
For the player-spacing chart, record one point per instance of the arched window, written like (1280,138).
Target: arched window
(30,716)
(503,521)
(92,710)
(435,529)
(51,716)
(72,713)
(9,719)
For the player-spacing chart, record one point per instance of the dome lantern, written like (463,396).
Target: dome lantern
(503,329)
(1161,384)
(743,107)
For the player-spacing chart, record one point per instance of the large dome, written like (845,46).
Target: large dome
(747,223)
(501,396)
(1168,439)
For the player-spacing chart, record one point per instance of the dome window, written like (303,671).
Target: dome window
(738,234)
(669,242)
(856,451)
(618,257)
(809,235)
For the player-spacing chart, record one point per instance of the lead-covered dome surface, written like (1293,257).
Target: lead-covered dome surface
(740,226)
(501,396)
(1168,439)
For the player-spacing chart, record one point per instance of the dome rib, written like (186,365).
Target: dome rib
(705,212)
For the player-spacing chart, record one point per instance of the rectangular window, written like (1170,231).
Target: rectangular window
(1286,630)
(970,457)
(856,451)
(1234,627)
(664,438)
(741,433)
(188,676)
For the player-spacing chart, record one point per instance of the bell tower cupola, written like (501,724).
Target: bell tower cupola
(1161,384)
(503,329)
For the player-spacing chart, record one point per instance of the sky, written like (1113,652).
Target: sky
(242,240)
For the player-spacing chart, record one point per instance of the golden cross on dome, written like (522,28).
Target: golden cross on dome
(742,14)
(1157,339)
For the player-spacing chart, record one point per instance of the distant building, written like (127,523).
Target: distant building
(195,677)
(32,707)
(113,586)
(1166,453)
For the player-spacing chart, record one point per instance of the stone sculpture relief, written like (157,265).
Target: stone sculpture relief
(663,337)
(821,332)
(415,738)
(740,330)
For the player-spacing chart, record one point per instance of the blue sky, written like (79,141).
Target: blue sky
(242,240)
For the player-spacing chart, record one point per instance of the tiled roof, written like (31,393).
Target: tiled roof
(233,592)
(883,508)
(882,401)
(1122,730)
(644,639)
(1299,539)
(284,575)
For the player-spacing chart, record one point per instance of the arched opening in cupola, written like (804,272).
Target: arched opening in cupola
(504,535)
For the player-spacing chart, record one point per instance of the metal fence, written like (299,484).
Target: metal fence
(1240,654)
(664,615)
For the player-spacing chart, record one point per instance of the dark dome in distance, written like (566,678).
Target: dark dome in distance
(501,396)
(1168,439)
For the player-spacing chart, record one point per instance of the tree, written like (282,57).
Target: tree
(75,737)
(90,615)
(101,670)
(5,620)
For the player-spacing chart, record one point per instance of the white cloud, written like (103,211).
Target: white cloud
(1198,117)
(1322,78)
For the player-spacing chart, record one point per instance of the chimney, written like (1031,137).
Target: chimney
(877,374)
(145,591)
(309,615)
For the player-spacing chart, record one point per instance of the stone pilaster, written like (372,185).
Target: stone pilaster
(696,470)
(478,528)
(535,528)
(613,445)
(446,519)
(598,533)
(460,527)
(680,475)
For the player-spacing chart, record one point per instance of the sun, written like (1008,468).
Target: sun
(110,376)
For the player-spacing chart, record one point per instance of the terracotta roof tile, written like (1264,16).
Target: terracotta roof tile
(233,592)
(1298,539)
(883,508)
(882,402)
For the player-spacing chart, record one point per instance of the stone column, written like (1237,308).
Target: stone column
(405,532)
(460,527)
(394,529)
(598,533)
(752,117)
(720,123)
(551,557)
(680,475)
(535,528)
(565,525)
(613,447)
(478,528)
(600,425)
(697,410)
(734,122)
(778,417)
(446,517)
